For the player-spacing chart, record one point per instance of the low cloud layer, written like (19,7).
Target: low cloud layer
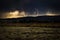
(18,14)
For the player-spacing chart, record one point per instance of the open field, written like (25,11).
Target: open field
(29,33)
(30,25)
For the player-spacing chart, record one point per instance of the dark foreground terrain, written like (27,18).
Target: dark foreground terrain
(40,21)
(30,29)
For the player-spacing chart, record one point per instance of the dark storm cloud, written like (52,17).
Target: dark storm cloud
(29,5)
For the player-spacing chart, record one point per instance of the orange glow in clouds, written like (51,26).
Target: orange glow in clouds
(15,14)
(51,14)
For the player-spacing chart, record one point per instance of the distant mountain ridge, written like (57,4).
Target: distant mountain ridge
(33,19)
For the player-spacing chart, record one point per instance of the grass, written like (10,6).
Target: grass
(29,33)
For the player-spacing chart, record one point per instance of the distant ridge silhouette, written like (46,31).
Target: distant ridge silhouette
(32,19)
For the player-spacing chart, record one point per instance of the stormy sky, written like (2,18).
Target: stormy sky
(29,5)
